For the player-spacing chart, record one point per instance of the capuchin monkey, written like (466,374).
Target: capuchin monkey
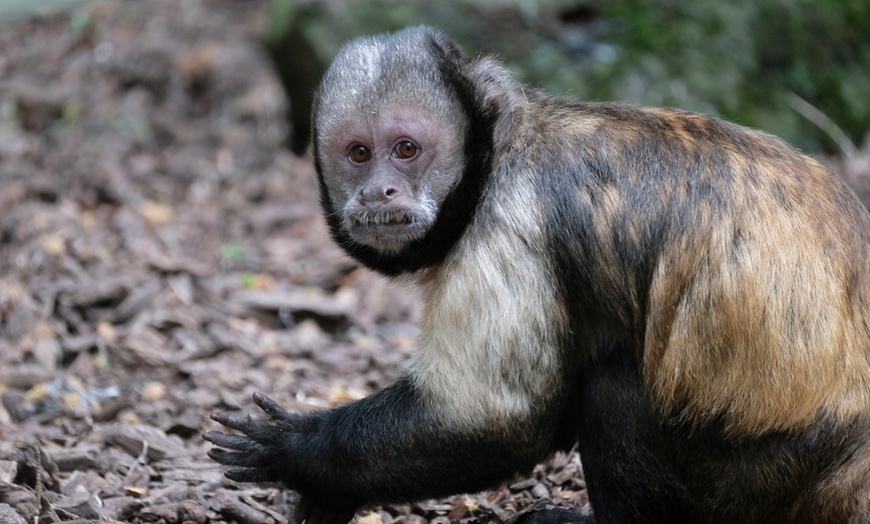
(685,300)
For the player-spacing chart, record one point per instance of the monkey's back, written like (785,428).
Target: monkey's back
(734,267)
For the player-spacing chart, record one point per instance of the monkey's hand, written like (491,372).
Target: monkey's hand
(274,450)
(263,452)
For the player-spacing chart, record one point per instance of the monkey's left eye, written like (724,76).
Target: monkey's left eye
(406,149)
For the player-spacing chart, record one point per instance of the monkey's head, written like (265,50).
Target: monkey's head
(403,140)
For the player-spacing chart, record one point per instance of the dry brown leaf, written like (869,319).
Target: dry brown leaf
(155,214)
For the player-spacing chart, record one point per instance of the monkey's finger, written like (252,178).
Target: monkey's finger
(227,458)
(245,424)
(270,407)
(246,459)
(253,474)
(227,440)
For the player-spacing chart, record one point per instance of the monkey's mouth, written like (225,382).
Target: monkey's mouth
(384,218)
(388,231)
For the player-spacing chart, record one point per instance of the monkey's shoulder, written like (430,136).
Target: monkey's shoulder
(631,145)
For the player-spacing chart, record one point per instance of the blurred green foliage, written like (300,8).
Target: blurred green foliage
(741,59)
(11,9)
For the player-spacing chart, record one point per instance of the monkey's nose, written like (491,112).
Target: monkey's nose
(378,194)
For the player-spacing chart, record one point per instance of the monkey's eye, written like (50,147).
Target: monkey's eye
(359,154)
(406,149)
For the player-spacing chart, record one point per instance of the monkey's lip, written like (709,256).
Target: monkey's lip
(387,231)
(384,218)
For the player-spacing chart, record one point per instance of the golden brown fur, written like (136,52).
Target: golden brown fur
(770,329)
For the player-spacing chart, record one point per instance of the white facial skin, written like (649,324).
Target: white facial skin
(389,171)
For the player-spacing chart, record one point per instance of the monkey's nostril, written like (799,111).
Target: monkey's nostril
(390,192)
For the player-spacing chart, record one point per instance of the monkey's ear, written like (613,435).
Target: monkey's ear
(501,94)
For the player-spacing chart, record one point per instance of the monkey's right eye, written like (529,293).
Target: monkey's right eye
(360,154)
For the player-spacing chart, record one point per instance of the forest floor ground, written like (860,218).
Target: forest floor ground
(162,256)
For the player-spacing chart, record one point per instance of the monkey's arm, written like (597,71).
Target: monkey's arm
(387,447)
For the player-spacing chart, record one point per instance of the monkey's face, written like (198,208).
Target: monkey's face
(387,173)
(389,138)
